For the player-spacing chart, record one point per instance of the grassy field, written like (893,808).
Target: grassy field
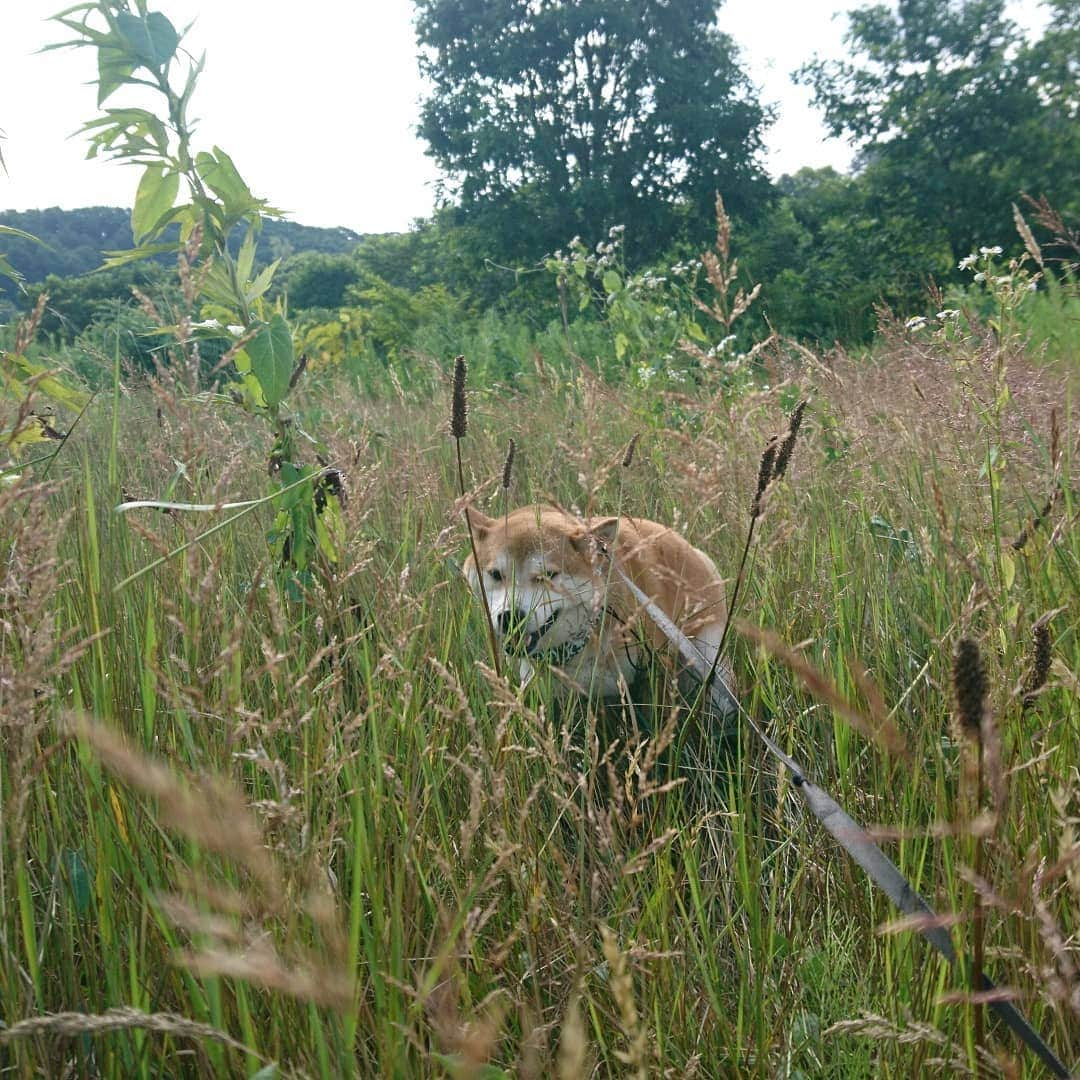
(247,835)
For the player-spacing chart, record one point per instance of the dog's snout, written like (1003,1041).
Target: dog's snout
(510,620)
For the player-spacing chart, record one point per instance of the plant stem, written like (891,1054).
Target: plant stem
(494,645)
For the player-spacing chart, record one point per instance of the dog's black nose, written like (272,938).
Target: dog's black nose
(510,620)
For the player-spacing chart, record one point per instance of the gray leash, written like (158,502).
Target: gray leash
(851,836)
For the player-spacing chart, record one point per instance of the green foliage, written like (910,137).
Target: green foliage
(68,244)
(64,243)
(317,280)
(76,302)
(956,115)
(138,49)
(561,120)
(830,254)
(6,269)
(24,380)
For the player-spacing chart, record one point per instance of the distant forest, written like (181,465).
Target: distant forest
(73,242)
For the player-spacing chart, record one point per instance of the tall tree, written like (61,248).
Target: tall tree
(556,117)
(955,113)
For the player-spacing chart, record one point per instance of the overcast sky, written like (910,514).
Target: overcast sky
(317,103)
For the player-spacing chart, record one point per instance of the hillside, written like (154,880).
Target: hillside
(73,241)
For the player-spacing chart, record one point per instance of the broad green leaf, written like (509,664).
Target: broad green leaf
(695,331)
(583,303)
(245,259)
(47,384)
(122,258)
(262,282)
(622,343)
(219,174)
(580,268)
(154,198)
(29,433)
(152,38)
(612,282)
(272,359)
(330,530)
(114,69)
(1008,570)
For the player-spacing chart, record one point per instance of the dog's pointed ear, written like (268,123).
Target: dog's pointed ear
(481,523)
(605,531)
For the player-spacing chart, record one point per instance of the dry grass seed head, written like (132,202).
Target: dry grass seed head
(196,809)
(573,1057)
(27,328)
(123,1018)
(622,990)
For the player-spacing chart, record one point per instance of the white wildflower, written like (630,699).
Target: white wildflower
(236,331)
(948,313)
(995,250)
(979,276)
(616,230)
(916,322)
(968,261)
(206,324)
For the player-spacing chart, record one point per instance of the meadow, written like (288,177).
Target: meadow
(264,831)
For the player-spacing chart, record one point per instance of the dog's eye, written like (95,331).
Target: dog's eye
(495,575)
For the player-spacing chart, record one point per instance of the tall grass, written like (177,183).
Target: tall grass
(324,838)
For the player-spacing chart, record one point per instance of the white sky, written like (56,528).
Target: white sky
(317,103)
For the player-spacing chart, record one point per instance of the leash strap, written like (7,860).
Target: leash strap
(851,836)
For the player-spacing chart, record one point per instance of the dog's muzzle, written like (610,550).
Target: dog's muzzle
(511,625)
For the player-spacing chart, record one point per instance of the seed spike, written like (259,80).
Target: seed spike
(765,473)
(783,455)
(971,687)
(508,465)
(1040,664)
(459,409)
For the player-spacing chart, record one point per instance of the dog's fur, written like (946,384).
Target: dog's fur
(553,598)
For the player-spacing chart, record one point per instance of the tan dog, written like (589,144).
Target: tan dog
(554,599)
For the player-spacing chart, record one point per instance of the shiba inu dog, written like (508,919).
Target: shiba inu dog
(554,598)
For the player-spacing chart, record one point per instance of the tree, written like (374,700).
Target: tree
(955,113)
(560,117)
(828,257)
(317,280)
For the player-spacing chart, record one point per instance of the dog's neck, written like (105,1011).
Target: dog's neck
(561,655)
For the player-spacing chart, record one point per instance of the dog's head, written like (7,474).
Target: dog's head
(541,577)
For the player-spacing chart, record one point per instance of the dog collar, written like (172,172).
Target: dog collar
(561,655)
